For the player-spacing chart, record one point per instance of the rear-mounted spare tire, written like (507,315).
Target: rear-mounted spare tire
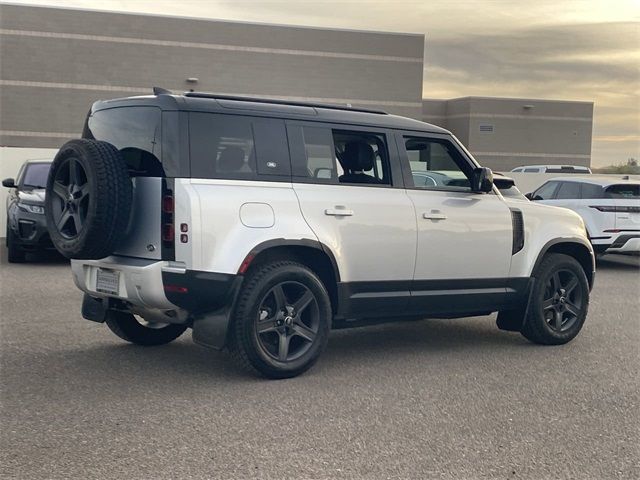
(88,200)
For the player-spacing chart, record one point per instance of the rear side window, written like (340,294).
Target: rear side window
(591,190)
(237,147)
(136,132)
(325,155)
(568,190)
(531,170)
(623,191)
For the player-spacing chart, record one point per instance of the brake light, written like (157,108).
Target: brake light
(167,204)
(602,208)
(175,289)
(168,232)
(613,208)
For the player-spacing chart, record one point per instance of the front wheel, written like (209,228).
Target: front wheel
(136,330)
(559,302)
(282,320)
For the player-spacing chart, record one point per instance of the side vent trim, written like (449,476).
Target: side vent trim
(517,223)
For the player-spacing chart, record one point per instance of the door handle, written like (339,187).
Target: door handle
(339,211)
(434,215)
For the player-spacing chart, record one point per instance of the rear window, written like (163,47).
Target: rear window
(136,132)
(623,191)
(238,148)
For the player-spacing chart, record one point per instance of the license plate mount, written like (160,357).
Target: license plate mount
(107,281)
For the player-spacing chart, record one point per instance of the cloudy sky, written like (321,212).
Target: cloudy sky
(559,49)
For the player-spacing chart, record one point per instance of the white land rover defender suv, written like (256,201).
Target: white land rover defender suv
(263,224)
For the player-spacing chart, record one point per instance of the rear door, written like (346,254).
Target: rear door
(349,187)
(137,132)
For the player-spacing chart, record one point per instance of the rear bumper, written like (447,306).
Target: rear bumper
(617,243)
(150,285)
(626,243)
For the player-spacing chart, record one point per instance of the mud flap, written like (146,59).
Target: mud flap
(210,329)
(94,309)
(513,320)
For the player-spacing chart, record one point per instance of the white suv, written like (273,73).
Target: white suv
(262,224)
(609,206)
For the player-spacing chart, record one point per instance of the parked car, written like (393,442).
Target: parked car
(553,169)
(26,224)
(507,187)
(609,206)
(505,184)
(262,224)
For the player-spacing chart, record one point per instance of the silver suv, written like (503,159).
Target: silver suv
(262,224)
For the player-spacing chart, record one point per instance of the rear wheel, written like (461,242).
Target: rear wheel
(15,254)
(282,321)
(136,330)
(559,302)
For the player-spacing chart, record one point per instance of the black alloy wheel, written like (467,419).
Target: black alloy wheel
(563,301)
(71,198)
(288,321)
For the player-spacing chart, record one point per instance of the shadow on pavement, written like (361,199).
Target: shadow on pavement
(184,362)
(618,262)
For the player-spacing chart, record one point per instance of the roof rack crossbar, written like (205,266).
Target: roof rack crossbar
(278,101)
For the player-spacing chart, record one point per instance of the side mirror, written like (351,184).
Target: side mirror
(482,180)
(529,196)
(9,183)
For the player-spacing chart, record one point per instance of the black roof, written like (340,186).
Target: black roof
(268,107)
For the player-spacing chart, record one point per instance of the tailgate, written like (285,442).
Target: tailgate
(143,237)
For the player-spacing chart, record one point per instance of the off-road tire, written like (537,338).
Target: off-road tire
(535,327)
(109,199)
(125,326)
(243,343)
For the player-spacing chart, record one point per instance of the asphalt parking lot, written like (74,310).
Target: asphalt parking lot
(430,399)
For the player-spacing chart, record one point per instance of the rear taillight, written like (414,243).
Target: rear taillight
(167,204)
(168,231)
(614,208)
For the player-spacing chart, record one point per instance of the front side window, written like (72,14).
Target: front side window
(546,191)
(437,165)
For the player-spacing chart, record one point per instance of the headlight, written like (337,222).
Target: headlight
(31,208)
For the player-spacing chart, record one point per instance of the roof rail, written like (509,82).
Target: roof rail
(278,101)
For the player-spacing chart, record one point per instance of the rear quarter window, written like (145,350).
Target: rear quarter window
(238,147)
(623,191)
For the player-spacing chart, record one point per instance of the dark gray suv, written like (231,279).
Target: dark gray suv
(26,223)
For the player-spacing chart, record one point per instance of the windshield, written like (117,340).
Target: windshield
(35,175)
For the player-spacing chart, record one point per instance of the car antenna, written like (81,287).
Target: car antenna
(161,91)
